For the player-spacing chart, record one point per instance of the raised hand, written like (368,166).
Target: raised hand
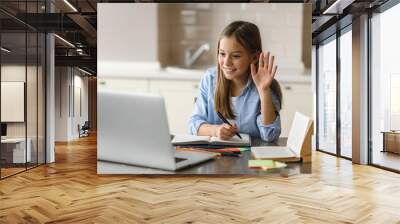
(265,73)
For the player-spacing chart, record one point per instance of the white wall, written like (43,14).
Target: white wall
(69,82)
(125,32)
(83,84)
(17,73)
(282,28)
(80,109)
(61,103)
(34,125)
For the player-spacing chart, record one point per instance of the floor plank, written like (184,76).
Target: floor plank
(70,191)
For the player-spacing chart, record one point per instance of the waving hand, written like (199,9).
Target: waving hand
(265,73)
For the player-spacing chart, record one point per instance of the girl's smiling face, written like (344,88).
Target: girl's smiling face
(233,59)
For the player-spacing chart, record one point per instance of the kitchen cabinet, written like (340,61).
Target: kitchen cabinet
(180,94)
(179,100)
(296,97)
(132,85)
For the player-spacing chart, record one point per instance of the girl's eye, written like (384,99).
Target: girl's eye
(221,53)
(236,56)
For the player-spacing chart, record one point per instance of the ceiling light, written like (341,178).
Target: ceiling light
(337,7)
(84,71)
(70,5)
(5,50)
(65,41)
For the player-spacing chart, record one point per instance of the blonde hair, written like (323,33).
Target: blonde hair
(248,35)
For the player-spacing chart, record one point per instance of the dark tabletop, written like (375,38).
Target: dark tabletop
(221,165)
(239,165)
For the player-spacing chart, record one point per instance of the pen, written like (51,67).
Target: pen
(218,150)
(230,154)
(227,122)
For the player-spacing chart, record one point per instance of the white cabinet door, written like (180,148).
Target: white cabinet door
(132,85)
(179,100)
(296,97)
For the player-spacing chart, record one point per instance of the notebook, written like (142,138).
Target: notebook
(180,140)
(298,145)
(280,153)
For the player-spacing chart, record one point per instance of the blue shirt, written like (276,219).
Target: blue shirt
(247,110)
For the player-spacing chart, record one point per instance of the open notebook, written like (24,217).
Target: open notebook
(180,140)
(298,146)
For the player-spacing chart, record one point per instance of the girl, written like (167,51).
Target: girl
(242,88)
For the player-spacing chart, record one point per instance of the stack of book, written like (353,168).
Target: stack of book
(211,142)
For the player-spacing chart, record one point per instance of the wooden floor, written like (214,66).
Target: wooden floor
(5,172)
(70,191)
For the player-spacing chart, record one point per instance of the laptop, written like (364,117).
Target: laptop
(133,130)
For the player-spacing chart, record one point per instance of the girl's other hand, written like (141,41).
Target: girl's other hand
(225,131)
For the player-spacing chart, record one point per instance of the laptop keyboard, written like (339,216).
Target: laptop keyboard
(177,159)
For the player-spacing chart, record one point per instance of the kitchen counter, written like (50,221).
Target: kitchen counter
(173,73)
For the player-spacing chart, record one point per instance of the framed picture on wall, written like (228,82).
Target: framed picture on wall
(12,101)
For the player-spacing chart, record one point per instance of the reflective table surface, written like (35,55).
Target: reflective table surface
(221,165)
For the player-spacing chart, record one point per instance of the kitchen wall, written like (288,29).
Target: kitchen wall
(127,40)
(152,35)
(148,35)
(285,30)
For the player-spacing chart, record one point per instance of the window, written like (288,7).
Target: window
(385,88)
(327,96)
(346,93)
(334,106)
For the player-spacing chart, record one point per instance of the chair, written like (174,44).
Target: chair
(84,130)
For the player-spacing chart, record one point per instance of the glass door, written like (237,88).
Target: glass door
(13,105)
(22,78)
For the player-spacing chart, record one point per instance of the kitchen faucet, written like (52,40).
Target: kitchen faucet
(190,58)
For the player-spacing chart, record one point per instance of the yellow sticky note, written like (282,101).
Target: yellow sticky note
(266,163)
